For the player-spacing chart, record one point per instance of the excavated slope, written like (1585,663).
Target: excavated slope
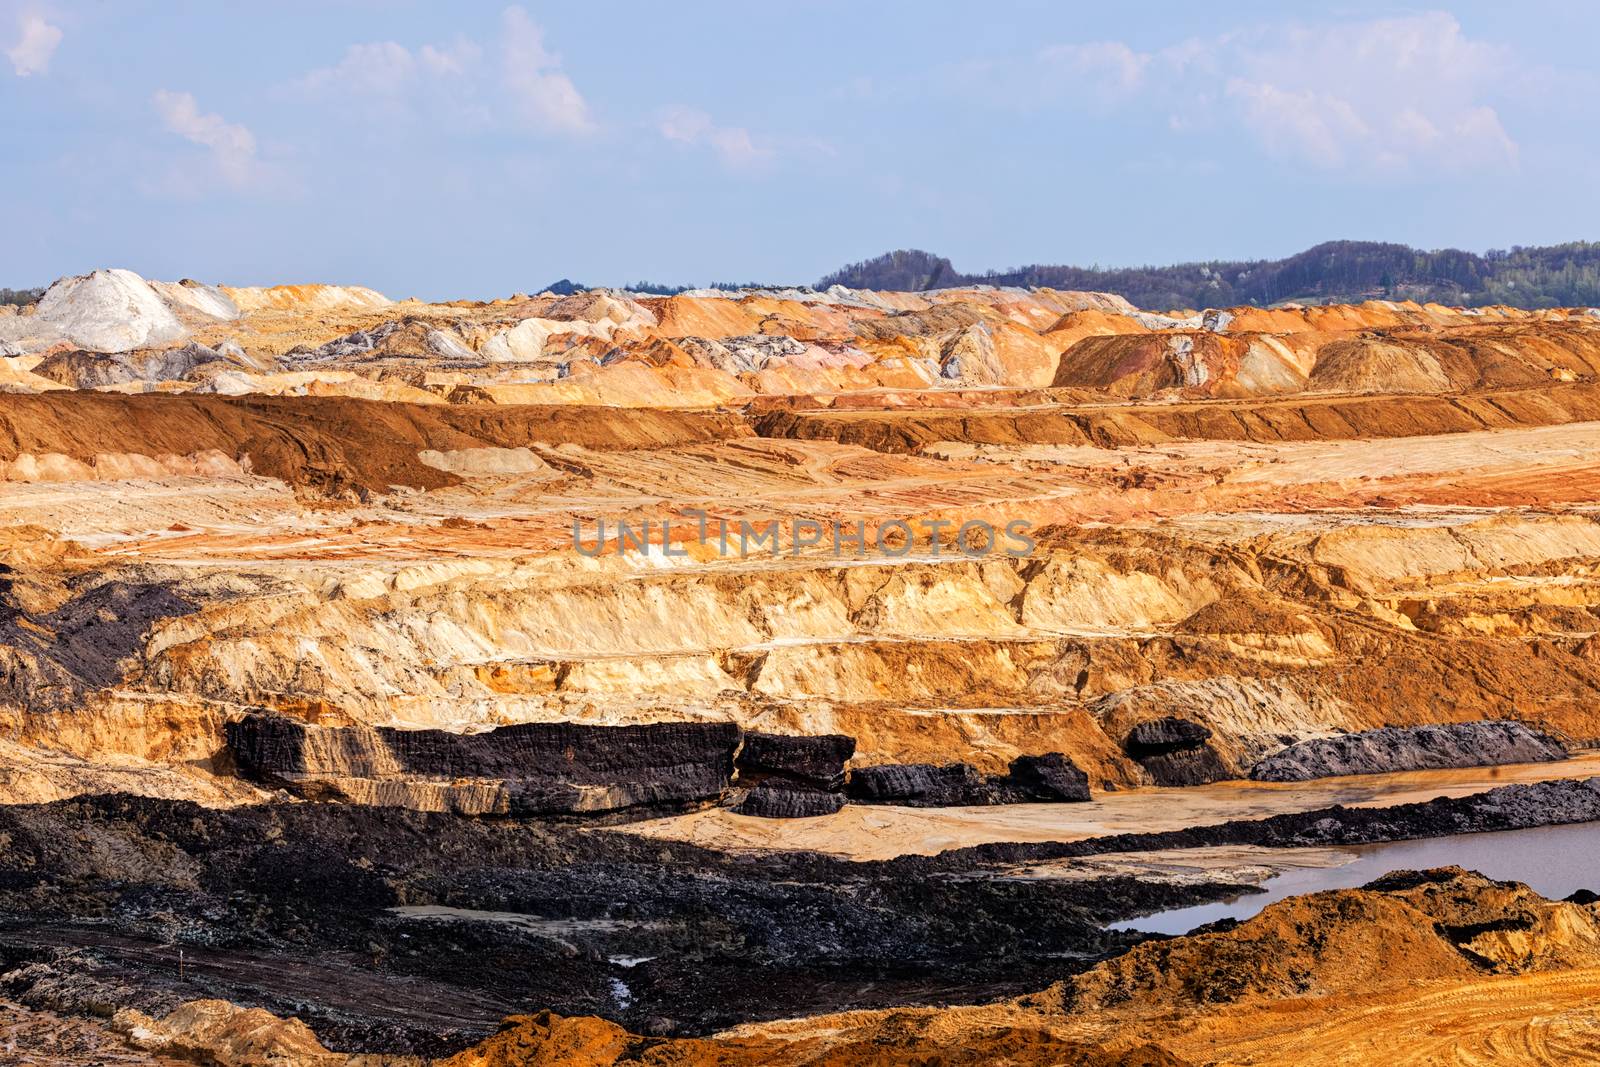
(326,442)
(1438,967)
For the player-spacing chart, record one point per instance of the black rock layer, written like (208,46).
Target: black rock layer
(923,785)
(1410,748)
(1170,734)
(778,800)
(812,760)
(526,769)
(1049,777)
(291,907)
(1187,766)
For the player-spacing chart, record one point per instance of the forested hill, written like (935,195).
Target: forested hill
(1564,275)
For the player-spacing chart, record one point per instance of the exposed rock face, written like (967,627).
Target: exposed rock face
(526,769)
(1411,748)
(816,761)
(793,776)
(1170,734)
(777,799)
(920,785)
(1050,777)
(50,659)
(1174,751)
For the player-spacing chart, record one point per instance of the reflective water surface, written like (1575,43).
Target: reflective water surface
(1554,860)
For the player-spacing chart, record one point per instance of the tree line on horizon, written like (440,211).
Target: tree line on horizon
(1565,275)
(20,297)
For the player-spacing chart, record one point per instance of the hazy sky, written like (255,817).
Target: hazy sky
(476,149)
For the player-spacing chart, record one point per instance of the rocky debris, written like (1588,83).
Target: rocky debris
(1410,748)
(742,355)
(598,305)
(395,339)
(33,1038)
(1050,777)
(521,770)
(226,1035)
(94,370)
(863,1038)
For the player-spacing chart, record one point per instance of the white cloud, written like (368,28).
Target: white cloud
(34,49)
(1110,68)
(732,145)
(232,147)
(523,86)
(383,68)
(544,96)
(1395,94)
(389,69)
(1301,123)
(449,60)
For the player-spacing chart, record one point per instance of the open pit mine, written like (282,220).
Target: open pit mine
(972,676)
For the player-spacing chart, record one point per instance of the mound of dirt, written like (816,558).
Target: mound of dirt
(331,444)
(108,311)
(306,298)
(546,1039)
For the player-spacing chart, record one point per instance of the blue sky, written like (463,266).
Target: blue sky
(469,149)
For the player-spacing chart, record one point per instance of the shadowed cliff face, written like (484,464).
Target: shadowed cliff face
(51,660)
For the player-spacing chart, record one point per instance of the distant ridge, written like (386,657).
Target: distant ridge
(1566,275)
